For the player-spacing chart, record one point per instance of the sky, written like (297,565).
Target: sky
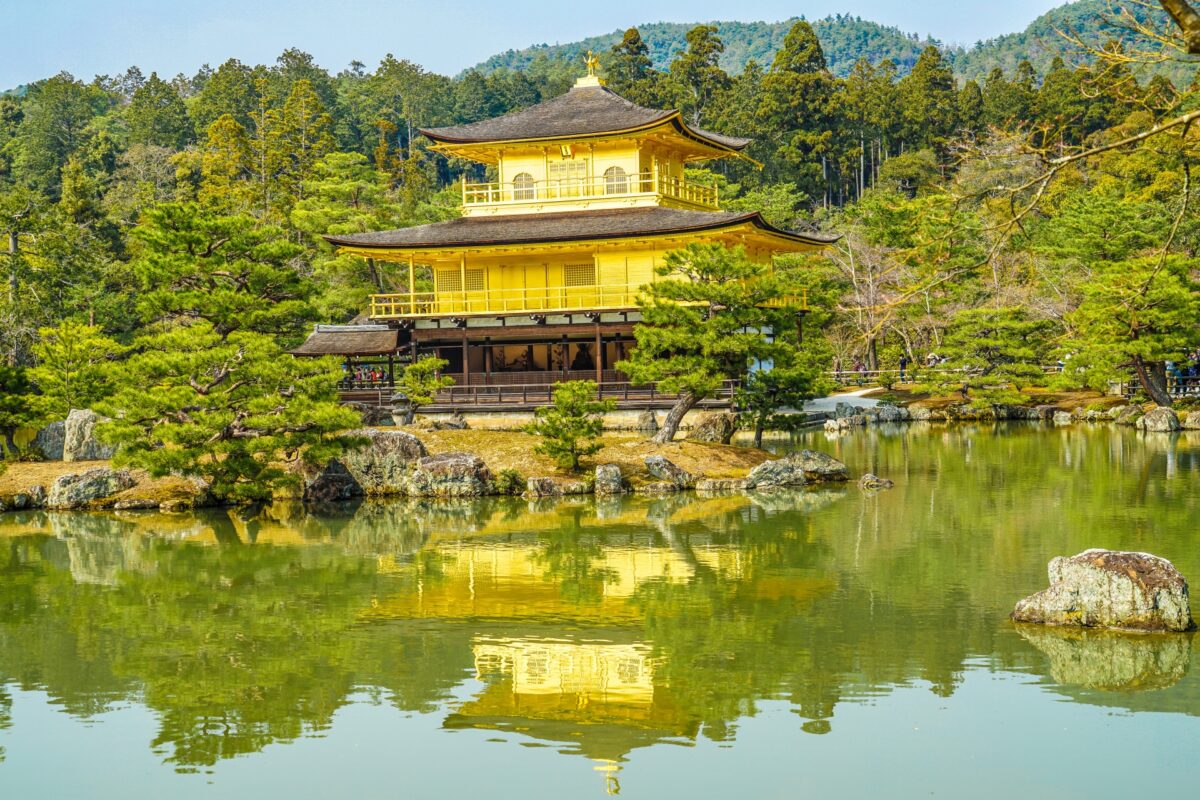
(89,37)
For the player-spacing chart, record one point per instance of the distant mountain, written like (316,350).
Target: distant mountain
(846,38)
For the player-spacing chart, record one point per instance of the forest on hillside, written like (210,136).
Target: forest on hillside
(1031,217)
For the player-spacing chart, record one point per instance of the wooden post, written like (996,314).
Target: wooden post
(598,357)
(566,355)
(487,360)
(466,361)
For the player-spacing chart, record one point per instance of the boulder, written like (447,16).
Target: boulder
(925,414)
(1062,418)
(1045,413)
(1111,589)
(835,425)
(844,409)
(887,412)
(873,482)
(331,483)
(665,470)
(79,440)
(777,474)
(384,464)
(1128,415)
(1191,421)
(374,416)
(715,428)
(82,489)
(659,488)
(50,440)
(1159,420)
(721,485)
(451,475)
(819,467)
(542,487)
(24,501)
(453,422)
(647,423)
(609,480)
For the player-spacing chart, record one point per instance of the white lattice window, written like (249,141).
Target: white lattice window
(615,181)
(579,274)
(568,170)
(523,187)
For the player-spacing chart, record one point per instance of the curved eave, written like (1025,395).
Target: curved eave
(675,119)
(754,219)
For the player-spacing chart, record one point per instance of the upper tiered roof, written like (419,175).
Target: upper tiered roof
(589,110)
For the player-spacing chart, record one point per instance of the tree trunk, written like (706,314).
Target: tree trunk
(872,354)
(1153,380)
(684,404)
(759,424)
(10,440)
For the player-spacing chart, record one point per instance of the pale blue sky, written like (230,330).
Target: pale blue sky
(86,37)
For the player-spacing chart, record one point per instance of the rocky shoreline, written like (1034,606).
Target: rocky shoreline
(1159,419)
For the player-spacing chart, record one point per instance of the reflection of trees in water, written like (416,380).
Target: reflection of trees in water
(818,597)
(5,714)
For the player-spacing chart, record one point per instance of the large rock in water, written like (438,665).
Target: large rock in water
(715,428)
(50,440)
(384,465)
(1191,422)
(667,471)
(797,469)
(1111,589)
(451,475)
(85,488)
(1159,420)
(79,438)
(1128,415)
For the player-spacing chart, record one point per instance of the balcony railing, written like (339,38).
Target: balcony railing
(644,183)
(540,299)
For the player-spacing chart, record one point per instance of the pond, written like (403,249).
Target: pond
(827,643)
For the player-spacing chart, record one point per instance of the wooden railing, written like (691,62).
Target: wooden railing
(477,194)
(547,299)
(543,394)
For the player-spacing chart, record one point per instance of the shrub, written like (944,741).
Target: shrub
(569,428)
(509,482)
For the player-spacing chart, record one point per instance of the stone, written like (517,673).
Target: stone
(1062,418)
(873,482)
(835,425)
(647,422)
(384,464)
(721,485)
(374,416)
(1111,589)
(542,487)
(331,483)
(82,489)
(819,467)
(609,480)
(665,470)
(1045,413)
(777,474)
(715,428)
(136,504)
(79,440)
(451,475)
(1128,415)
(659,488)
(24,501)
(49,440)
(1111,661)
(887,412)
(1191,421)
(924,414)
(844,409)
(1159,420)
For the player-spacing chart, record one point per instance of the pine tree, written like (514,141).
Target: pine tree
(16,409)
(226,165)
(75,368)
(701,326)
(628,64)
(697,72)
(157,116)
(302,140)
(570,426)
(928,103)
(970,108)
(419,384)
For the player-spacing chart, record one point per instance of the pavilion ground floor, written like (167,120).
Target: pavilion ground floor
(510,363)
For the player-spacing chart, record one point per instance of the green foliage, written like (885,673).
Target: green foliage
(509,482)
(232,409)
(16,407)
(991,354)
(75,368)
(570,427)
(157,116)
(419,383)
(765,393)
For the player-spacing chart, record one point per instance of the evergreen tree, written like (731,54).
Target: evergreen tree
(628,64)
(54,126)
(970,108)
(157,116)
(419,384)
(928,103)
(231,90)
(16,409)
(302,140)
(226,164)
(701,326)
(75,368)
(697,72)
(570,426)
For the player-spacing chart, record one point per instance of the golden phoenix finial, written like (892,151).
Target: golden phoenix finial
(592,62)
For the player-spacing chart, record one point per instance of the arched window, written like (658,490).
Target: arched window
(615,181)
(523,187)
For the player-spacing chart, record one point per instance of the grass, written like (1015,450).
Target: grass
(23,476)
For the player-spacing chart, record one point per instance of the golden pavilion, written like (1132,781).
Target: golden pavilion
(538,280)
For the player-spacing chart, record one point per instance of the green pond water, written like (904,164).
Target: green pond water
(827,643)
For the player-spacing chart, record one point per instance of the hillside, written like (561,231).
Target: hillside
(846,38)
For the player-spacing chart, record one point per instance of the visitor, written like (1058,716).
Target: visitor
(903,365)
(860,370)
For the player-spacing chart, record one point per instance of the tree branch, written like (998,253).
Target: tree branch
(1188,21)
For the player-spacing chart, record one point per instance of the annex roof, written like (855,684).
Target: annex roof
(581,112)
(349,340)
(567,226)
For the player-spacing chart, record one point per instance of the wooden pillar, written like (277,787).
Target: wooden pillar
(487,359)
(466,361)
(598,356)
(566,355)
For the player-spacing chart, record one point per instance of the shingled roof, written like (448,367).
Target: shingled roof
(349,340)
(566,226)
(583,111)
